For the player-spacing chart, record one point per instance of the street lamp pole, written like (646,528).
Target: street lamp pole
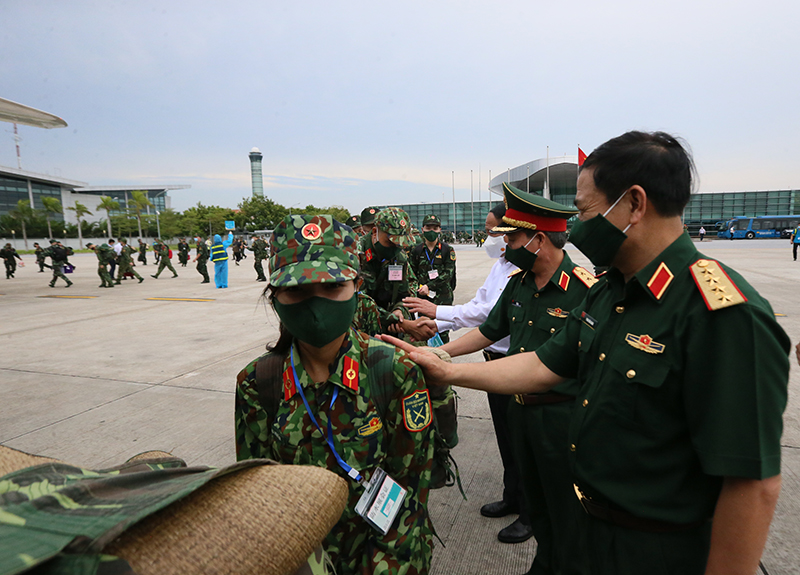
(158,225)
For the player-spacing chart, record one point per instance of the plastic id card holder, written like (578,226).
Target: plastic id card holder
(381,501)
(395,273)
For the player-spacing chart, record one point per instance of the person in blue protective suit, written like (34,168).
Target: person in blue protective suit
(219,255)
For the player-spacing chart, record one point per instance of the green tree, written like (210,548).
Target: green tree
(339,213)
(80,211)
(23,214)
(109,205)
(260,213)
(140,203)
(51,207)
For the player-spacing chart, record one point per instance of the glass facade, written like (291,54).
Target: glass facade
(467,214)
(158,199)
(14,189)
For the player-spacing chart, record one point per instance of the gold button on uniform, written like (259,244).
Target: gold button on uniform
(552,330)
(585,402)
(620,309)
(601,357)
(521,349)
(579,345)
(514,318)
(631,374)
(572,447)
(536,295)
(530,322)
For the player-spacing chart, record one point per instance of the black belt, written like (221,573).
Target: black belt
(624,519)
(542,398)
(492,355)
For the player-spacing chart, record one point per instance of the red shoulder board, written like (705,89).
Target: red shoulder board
(350,375)
(289,386)
(716,287)
(368,255)
(584,275)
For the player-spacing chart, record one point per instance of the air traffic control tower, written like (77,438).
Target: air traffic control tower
(255,173)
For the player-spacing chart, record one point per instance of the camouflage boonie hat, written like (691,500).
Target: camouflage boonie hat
(354,222)
(312,249)
(368,215)
(395,222)
(432,219)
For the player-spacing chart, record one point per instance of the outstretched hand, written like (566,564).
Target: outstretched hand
(421,306)
(436,371)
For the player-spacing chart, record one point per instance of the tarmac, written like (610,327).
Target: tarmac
(94,376)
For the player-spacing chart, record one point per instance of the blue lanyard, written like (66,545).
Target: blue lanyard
(352,473)
(431,257)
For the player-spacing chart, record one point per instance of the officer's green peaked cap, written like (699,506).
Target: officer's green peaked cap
(525,210)
(368,215)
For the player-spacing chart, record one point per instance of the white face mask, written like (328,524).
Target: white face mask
(494,246)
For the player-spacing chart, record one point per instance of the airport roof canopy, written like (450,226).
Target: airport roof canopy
(22,114)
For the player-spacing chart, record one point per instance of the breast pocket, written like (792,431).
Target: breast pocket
(549,323)
(638,379)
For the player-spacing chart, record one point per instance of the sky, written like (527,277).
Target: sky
(357,103)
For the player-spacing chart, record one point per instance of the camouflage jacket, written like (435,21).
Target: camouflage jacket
(183,248)
(202,252)
(126,255)
(387,294)
(50,252)
(105,254)
(259,249)
(368,316)
(400,443)
(40,257)
(64,515)
(142,248)
(440,263)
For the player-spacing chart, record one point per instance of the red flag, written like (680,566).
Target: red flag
(581,156)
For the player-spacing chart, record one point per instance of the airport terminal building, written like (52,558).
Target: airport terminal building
(557,177)
(18,185)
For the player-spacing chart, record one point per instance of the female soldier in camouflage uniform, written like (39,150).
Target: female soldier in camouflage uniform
(327,389)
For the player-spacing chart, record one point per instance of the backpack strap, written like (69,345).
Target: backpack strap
(269,382)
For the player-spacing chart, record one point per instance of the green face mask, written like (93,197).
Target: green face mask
(317,321)
(598,239)
(521,257)
(385,253)
(430,235)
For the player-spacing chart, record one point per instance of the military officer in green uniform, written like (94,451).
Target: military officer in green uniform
(259,249)
(434,264)
(368,216)
(126,262)
(355,224)
(675,438)
(183,252)
(328,395)
(534,305)
(202,259)
(58,255)
(40,258)
(142,252)
(163,259)
(8,254)
(105,253)
(387,275)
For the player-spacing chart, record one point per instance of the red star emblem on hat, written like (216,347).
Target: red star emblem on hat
(402,223)
(311,232)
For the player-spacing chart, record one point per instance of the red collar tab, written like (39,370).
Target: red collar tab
(350,374)
(660,280)
(563,281)
(289,386)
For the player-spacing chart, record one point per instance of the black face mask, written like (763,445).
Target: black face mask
(383,252)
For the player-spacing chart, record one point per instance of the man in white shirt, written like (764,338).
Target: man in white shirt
(473,314)
(117,250)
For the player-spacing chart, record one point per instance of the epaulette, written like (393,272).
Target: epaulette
(515,272)
(716,287)
(586,277)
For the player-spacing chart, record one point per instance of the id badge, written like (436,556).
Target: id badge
(381,502)
(395,273)
(431,294)
(433,274)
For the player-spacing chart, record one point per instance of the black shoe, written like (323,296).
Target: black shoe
(154,277)
(141,280)
(517,532)
(69,284)
(499,509)
(102,285)
(52,285)
(205,282)
(176,275)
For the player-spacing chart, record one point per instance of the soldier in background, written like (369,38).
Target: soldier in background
(202,259)
(40,259)
(368,216)
(58,255)
(142,252)
(8,253)
(183,252)
(259,249)
(355,223)
(105,255)
(162,253)
(434,264)
(126,262)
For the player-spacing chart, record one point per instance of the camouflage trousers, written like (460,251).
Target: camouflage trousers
(165,263)
(183,258)
(202,269)
(105,277)
(126,268)
(259,269)
(57,273)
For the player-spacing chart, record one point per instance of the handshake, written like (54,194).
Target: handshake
(421,329)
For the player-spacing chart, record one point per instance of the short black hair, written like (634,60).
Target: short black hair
(558,239)
(660,163)
(498,211)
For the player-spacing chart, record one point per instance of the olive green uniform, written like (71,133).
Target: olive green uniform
(58,259)
(387,294)
(40,259)
(437,270)
(183,253)
(163,260)
(683,381)
(259,249)
(202,261)
(126,264)
(539,422)
(105,254)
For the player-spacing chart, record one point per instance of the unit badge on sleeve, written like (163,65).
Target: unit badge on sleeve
(417,411)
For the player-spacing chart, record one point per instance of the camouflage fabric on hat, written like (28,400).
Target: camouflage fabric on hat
(432,219)
(395,222)
(368,215)
(524,210)
(312,249)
